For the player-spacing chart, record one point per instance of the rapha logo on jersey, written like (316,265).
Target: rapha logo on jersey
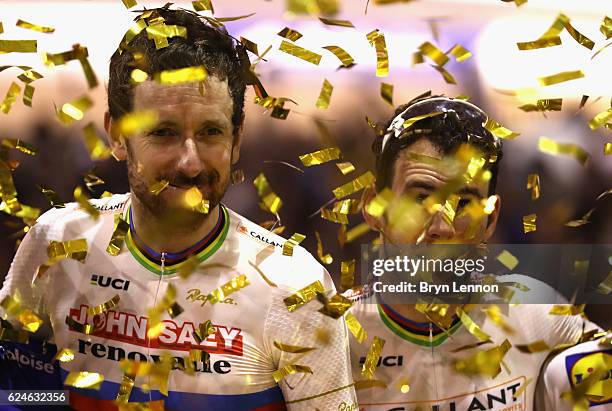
(581,366)
(127,327)
(243,230)
(196,295)
(388,361)
(105,281)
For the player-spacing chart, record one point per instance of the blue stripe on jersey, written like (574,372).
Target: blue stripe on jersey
(178,400)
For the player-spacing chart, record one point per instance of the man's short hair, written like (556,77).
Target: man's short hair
(205,45)
(459,123)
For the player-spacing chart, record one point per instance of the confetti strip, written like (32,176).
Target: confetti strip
(18,46)
(137,122)
(194,201)
(355,328)
(537,346)
(92,180)
(64,355)
(250,46)
(377,39)
(41,29)
(549,146)
(365,384)
(303,296)
(79,53)
(20,145)
(290,369)
(160,33)
(334,217)
(181,76)
(434,53)
(460,53)
(355,186)
(379,204)
(300,52)
(320,157)
(125,389)
(507,259)
(371,361)
(560,77)
(336,306)
(290,34)
(94,143)
(221,293)
(84,379)
(74,111)
(203,5)
(99,309)
(335,22)
(77,326)
(544,105)
(539,43)
(204,330)
(409,122)
(533,184)
(293,349)
(607,149)
(129,3)
(345,167)
(356,232)
(347,274)
(324,258)
(269,200)
(472,327)
(294,240)
(386,92)
(601,119)
(347,206)
(606,27)
(529,223)
(158,187)
(84,204)
(54,199)
(567,309)
(118,236)
(139,76)
(500,131)
(325,95)
(486,363)
(341,54)
(10,98)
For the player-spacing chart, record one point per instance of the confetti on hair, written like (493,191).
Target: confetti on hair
(181,76)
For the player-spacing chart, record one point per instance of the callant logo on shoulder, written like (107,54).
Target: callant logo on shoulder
(106,281)
(244,230)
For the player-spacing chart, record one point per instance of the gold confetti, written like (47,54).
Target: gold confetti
(139,76)
(377,39)
(560,77)
(118,236)
(75,110)
(355,328)
(204,330)
(64,355)
(605,287)
(371,361)
(606,27)
(500,131)
(529,223)
(293,349)
(579,37)
(507,259)
(269,200)
(28,95)
(20,145)
(300,52)
(364,384)
(53,198)
(294,240)
(434,53)
(472,327)
(129,3)
(347,274)
(320,157)
(341,54)
(290,369)
(356,232)
(290,34)
(203,5)
(334,217)
(539,43)
(303,296)
(544,105)
(99,309)
(221,293)
(325,95)
(94,143)
(334,307)
(137,122)
(484,362)
(355,186)
(160,33)
(74,249)
(522,389)
(460,53)
(335,22)
(125,389)
(82,328)
(379,204)
(595,385)
(325,259)
(249,45)
(10,98)
(386,92)
(345,167)
(446,75)
(566,309)
(607,149)
(347,206)
(1,28)
(79,53)
(158,187)
(537,346)
(83,200)
(18,46)
(546,145)
(194,200)
(26,25)
(182,75)
(224,19)
(92,180)
(601,119)
(84,379)
(533,184)
(10,334)
(409,122)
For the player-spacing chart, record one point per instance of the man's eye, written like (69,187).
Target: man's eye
(463,203)
(420,197)
(212,131)
(163,132)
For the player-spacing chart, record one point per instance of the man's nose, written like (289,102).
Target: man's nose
(190,163)
(439,229)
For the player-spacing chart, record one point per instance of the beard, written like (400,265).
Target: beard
(170,207)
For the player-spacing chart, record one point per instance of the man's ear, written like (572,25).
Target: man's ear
(492,220)
(375,223)
(115,140)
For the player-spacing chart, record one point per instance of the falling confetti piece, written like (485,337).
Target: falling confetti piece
(548,146)
(300,52)
(529,223)
(500,131)
(377,39)
(533,184)
(324,258)
(336,306)
(355,328)
(221,293)
(290,369)
(293,349)
(118,236)
(41,29)
(544,105)
(269,200)
(460,53)
(99,309)
(303,296)
(294,240)
(560,77)
(371,361)
(325,95)
(341,54)
(10,98)
(158,187)
(203,5)
(507,259)
(18,46)
(290,34)
(386,92)
(537,346)
(320,156)
(75,110)
(472,327)
(84,379)
(355,186)
(345,167)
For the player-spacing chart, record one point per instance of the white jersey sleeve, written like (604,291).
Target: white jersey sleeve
(568,369)
(330,385)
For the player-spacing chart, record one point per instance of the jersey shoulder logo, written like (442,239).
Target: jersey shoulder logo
(582,365)
(255,234)
(106,281)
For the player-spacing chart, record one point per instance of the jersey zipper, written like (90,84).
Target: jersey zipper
(433,362)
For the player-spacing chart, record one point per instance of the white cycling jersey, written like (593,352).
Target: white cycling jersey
(243,357)
(572,367)
(421,358)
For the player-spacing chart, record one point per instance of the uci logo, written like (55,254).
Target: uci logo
(116,283)
(389,361)
(586,366)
